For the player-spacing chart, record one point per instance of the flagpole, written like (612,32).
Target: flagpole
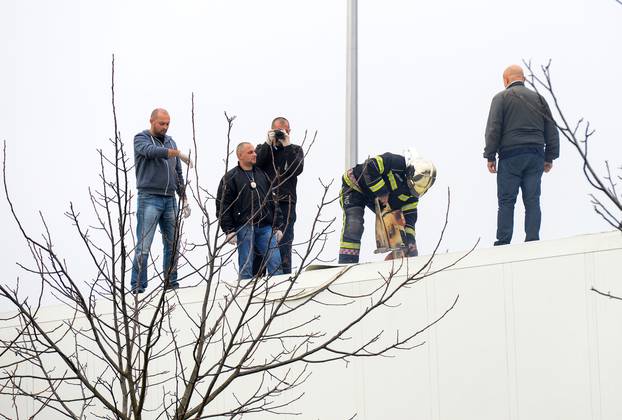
(352,86)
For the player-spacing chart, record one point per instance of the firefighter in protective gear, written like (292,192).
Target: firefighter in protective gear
(393,179)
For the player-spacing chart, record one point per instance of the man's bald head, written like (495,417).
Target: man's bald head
(240,149)
(246,155)
(512,74)
(156,112)
(159,121)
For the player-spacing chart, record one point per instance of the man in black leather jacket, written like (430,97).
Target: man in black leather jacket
(246,207)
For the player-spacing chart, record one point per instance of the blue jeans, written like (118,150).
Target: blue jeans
(285,246)
(259,240)
(155,210)
(522,171)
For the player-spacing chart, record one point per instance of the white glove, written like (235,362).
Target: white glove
(185,159)
(279,236)
(232,238)
(273,141)
(185,210)
(270,138)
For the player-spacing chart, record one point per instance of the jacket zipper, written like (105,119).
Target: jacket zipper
(168,169)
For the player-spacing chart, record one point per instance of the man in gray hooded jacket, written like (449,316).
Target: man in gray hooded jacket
(158,177)
(521,130)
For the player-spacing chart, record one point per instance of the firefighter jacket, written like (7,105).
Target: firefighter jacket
(381,175)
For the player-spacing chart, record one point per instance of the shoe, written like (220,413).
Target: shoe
(172,286)
(137,291)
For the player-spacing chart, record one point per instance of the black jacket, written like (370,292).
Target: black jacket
(237,202)
(520,117)
(288,162)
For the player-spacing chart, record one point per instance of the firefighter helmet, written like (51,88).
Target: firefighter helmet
(420,173)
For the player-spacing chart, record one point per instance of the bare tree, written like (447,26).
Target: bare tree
(241,347)
(607,198)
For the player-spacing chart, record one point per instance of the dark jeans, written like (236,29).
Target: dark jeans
(154,210)
(260,240)
(285,246)
(522,171)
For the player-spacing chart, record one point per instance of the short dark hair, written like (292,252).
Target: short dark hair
(281,120)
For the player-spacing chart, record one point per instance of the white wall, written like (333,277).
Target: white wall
(527,339)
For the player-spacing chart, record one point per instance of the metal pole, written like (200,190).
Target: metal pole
(352,86)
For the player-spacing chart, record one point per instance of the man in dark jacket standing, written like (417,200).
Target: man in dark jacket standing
(282,161)
(158,177)
(246,207)
(521,130)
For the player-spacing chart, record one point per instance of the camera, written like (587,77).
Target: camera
(279,135)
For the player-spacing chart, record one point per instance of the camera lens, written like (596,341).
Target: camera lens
(279,135)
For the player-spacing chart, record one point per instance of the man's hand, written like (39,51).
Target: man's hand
(186,159)
(272,140)
(492,166)
(548,166)
(384,199)
(185,210)
(285,141)
(279,235)
(232,238)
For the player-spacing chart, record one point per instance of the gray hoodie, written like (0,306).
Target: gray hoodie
(156,173)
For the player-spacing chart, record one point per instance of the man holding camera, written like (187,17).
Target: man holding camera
(282,161)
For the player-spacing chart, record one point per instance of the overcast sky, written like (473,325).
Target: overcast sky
(427,73)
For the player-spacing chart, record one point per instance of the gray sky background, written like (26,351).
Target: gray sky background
(427,73)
